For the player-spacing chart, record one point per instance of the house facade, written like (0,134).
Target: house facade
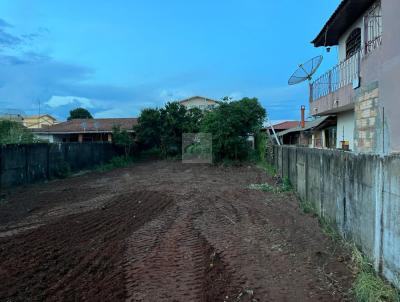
(199,102)
(362,90)
(85,130)
(39,121)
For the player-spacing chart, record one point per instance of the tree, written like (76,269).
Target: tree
(122,138)
(79,113)
(148,130)
(12,132)
(163,128)
(231,124)
(174,121)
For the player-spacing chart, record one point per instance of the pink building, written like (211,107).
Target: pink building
(363,89)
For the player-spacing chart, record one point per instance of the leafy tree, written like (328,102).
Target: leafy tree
(148,130)
(174,120)
(230,124)
(12,132)
(79,113)
(194,117)
(123,139)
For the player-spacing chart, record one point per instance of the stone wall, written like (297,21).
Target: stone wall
(367,117)
(358,194)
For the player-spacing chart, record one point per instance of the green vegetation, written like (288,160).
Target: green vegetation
(79,113)
(123,139)
(368,286)
(283,187)
(162,128)
(63,170)
(12,132)
(114,163)
(230,125)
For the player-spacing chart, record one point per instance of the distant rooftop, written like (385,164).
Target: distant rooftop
(197,97)
(90,125)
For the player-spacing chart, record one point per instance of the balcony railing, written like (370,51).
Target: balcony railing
(340,76)
(348,71)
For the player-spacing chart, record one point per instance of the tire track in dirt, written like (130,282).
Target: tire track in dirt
(168,260)
(78,257)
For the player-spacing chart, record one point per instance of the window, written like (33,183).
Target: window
(353,42)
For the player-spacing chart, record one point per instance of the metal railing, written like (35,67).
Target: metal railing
(347,71)
(340,76)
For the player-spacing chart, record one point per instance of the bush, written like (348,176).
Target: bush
(12,132)
(115,162)
(63,170)
(230,125)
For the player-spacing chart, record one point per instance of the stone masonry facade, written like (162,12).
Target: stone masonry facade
(366,120)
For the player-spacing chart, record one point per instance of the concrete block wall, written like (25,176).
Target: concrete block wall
(24,164)
(358,194)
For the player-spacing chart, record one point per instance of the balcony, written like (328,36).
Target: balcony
(334,91)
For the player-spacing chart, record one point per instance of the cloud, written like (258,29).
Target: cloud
(8,40)
(57,101)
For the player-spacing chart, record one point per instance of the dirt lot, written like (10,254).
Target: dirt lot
(164,231)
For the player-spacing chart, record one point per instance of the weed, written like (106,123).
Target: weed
(369,287)
(263,187)
(282,188)
(308,208)
(63,170)
(267,167)
(328,230)
(115,162)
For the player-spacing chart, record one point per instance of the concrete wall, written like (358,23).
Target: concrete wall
(359,194)
(389,82)
(345,129)
(24,164)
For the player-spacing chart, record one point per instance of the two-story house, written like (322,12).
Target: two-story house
(199,102)
(363,89)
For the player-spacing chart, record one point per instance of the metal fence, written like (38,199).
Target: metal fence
(341,75)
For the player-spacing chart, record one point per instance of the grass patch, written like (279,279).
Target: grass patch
(267,167)
(369,286)
(115,162)
(283,187)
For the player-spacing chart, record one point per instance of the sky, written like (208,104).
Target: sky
(118,57)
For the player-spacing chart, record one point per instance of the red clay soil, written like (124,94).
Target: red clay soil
(164,231)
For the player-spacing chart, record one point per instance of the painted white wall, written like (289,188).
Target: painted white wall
(345,128)
(200,103)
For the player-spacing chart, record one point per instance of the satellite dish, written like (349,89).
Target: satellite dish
(305,71)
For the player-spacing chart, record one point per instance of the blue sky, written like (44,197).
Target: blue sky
(118,57)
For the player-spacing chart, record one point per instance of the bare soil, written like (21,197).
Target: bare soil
(165,231)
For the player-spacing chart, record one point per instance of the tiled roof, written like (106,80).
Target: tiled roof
(90,125)
(308,125)
(285,125)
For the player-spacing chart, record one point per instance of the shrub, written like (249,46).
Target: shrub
(63,170)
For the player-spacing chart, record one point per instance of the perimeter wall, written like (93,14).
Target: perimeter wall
(24,164)
(358,194)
